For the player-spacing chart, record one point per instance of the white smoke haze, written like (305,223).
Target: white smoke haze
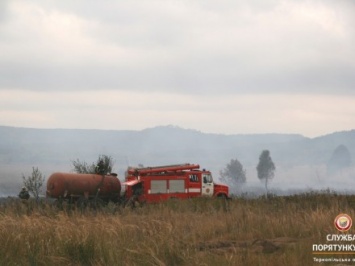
(286,182)
(301,163)
(296,180)
(226,69)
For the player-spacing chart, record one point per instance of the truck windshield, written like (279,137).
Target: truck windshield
(207,178)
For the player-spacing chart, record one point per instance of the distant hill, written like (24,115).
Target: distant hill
(53,149)
(163,144)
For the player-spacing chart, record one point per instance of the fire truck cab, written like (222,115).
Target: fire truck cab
(182,181)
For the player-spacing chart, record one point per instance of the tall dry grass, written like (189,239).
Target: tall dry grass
(202,231)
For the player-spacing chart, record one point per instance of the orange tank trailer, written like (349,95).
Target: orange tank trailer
(73,186)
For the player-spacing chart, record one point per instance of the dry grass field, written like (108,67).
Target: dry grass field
(202,231)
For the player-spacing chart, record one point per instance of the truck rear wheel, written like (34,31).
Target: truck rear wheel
(222,196)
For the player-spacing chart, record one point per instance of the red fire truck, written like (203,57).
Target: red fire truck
(182,181)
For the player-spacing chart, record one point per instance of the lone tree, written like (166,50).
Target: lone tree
(105,162)
(233,173)
(341,159)
(265,168)
(34,182)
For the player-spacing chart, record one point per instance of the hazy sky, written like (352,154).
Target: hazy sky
(227,66)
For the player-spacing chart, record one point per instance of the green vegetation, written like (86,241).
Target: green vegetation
(104,162)
(233,173)
(265,168)
(200,231)
(34,182)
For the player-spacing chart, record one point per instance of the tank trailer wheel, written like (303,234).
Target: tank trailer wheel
(96,203)
(82,203)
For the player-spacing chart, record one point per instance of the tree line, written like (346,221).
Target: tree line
(234,173)
(32,184)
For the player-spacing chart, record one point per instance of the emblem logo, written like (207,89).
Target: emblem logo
(343,222)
